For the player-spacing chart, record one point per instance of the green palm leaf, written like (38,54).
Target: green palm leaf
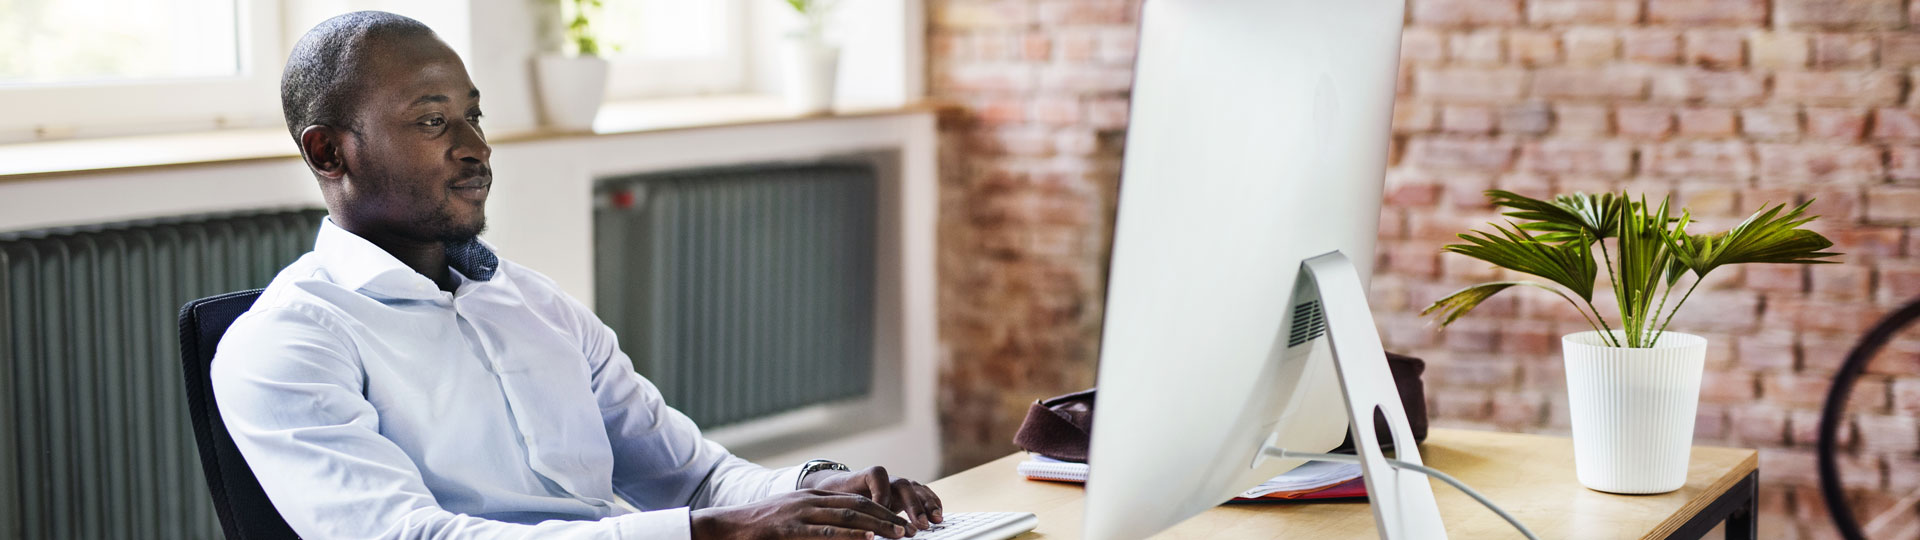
(1464,300)
(1570,265)
(1566,217)
(1768,236)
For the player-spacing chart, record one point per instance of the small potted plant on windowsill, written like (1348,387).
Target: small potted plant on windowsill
(810,64)
(573,81)
(1632,390)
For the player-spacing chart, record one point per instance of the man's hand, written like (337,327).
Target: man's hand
(897,494)
(806,514)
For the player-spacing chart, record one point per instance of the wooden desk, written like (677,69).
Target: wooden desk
(1531,476)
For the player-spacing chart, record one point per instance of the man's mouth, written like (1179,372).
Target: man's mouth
(479,183)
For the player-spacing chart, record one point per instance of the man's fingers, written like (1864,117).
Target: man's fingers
(828,532)
(935,511)
(849,518)
(881,487)
(858,504)
(914,501)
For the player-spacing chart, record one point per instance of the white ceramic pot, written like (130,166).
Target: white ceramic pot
(1633,410)
(571,90)
(809,69)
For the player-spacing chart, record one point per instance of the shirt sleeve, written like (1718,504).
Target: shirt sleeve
(290,393)
(660,458)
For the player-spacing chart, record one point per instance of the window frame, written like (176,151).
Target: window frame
(142,106)
(633,78)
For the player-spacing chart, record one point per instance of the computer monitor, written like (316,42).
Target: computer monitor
(1258,141)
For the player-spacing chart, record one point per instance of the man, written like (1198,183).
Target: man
(402,381)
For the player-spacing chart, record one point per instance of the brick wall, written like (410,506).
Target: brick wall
(1725,104)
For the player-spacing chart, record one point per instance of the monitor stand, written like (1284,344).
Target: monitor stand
(1402,500)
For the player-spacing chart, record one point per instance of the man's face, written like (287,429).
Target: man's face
(418,168)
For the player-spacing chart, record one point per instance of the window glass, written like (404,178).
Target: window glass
(51,42)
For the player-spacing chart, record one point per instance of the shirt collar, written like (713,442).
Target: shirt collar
(356,263)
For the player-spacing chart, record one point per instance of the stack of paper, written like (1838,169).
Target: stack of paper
(1314,480)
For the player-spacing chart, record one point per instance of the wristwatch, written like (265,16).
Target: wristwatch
(815,466)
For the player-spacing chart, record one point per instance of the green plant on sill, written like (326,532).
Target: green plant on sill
(815,13)
(1557,238)
(581,33)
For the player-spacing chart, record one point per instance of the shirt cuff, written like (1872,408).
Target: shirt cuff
(669,524)
(785,480)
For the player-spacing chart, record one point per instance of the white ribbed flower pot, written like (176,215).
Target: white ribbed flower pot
(809,67)
(1632,411)
(571,90)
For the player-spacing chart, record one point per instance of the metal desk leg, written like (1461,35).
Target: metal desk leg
(1742,523)
(1738,509)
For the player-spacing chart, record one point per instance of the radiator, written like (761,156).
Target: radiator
(742,292)
(91,396)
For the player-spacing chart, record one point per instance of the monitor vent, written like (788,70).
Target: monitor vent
(1308,323)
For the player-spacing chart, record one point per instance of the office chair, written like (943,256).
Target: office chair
(245,512)
(1833,414)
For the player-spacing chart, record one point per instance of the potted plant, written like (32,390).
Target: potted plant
(573,81)
(809,64)
(1632,390)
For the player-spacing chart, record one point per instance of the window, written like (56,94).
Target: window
(94,67)
(665,48)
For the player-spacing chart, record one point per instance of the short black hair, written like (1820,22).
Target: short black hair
(316,88)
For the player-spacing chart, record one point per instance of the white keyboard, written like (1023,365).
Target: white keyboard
(979,526)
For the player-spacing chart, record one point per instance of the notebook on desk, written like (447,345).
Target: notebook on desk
(1313,481)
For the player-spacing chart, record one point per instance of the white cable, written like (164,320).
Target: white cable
(1422,469)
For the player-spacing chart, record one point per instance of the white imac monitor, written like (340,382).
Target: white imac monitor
(1258,140)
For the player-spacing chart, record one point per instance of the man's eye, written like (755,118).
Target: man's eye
(434,122)
(474,118)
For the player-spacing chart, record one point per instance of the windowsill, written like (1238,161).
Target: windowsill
(39,160)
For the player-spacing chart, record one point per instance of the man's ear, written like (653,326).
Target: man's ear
(322,148)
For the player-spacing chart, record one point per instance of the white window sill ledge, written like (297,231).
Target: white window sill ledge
(40,160)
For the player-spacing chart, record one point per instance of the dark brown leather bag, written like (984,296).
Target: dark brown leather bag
(1061,427)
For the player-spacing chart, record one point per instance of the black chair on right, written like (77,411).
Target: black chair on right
(245,512)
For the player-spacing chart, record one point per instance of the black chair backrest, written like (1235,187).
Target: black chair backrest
(245,512)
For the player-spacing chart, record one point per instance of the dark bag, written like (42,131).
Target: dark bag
(1061,427)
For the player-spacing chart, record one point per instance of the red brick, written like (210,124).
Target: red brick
(1728,311)
(1529,337)
(1840,14)
(1758,424)
(1078,45)
(1841,204)
(1728,386)
(1533,48)
(1470,84)
(965,78)
(1841,318)
(1435,153)
(1770,122)
(1467,119)
(1583,11)
(1581,119)
(985,14)
(1591,46)
(1788,467)
(1891,205)
(1459,405)
(1709,422)
(1898,282)
(1791,163)
(1519,410)
(1837,124)
(1467,192)
(1699,159)
(1107,113)
(1707,12)
(1076,142)
(1532,118)
(1414,117)
(1900,50)
(1058,111)
(1608,158)
(1896,124)
(1716,49)
(1779,50)
(1864,240)
(1833,51)
(1588,83)
(1777,278)
(1706,199)
(1803,429)
(1086,78)
(1651,46)
(1903,164)
(1706,122)
(1714,87)
(1465,12)
(1903,474)
(1478,47)
(1769,350)
(1649,122)
(1906,397)
(1890,434)
(1900,359)
(1075,12)
(1118,44)
(1842,281)
(1487,374)
(1838,88)
(1422,45)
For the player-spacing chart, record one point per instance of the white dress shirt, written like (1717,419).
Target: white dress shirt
(371,404)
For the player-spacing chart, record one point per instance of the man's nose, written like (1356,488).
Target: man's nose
(470,145)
